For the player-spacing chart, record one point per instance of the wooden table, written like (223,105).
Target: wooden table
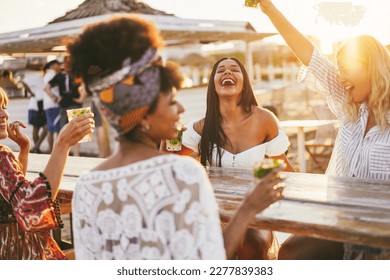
(300,125)
(315,205)
(334,208)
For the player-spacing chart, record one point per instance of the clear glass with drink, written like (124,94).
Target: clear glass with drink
(73,113)
(175,144)
(264,168)
(251,3)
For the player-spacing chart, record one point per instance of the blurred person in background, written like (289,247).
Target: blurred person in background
(50,101)
(69,96)
(11,87)
(34,85)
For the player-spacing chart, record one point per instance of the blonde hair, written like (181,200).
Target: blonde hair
(3,97)
(373,55)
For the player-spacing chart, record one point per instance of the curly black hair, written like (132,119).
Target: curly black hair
(102,47)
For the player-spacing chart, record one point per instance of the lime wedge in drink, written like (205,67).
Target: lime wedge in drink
(174,141)
(266,167)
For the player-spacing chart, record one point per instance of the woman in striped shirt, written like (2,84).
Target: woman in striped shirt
(358,93)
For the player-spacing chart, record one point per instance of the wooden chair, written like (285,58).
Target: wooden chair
(320,148)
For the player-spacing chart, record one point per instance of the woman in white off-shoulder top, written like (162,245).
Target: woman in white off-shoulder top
(237,133)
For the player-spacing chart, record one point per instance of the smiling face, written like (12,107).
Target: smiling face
(228,78)
(355,78)
(3,115)
(164,121)
(354,72)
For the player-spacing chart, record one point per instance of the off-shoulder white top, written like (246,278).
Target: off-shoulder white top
(246,159)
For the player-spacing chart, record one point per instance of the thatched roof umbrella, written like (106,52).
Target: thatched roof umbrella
(91,8)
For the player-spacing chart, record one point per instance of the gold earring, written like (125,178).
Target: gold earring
(146,127)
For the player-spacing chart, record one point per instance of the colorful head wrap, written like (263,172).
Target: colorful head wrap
(125,96)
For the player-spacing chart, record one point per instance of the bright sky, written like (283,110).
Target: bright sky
(24,14)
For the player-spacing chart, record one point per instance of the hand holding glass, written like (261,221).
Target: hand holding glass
(74,113)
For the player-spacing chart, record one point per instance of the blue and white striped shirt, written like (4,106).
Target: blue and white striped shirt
(355,154)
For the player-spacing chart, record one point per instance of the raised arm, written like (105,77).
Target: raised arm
(68,136)
(299,44)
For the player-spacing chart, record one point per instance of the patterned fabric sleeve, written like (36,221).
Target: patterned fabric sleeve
(321,76)
(31,201)
(191,138)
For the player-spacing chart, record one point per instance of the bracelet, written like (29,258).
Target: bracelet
(55,204)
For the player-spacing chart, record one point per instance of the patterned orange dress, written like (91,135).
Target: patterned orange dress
(27,214)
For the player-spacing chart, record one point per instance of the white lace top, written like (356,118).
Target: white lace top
(246,159)
(160,208)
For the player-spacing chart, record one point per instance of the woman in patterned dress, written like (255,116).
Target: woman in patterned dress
(27,208)
(142,203)
(358,93)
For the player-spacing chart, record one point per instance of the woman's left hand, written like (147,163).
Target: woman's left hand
(17,136)
(267,191)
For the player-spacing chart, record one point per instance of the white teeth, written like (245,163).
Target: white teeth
(230,81)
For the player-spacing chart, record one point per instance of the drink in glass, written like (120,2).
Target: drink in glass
(263,169)
(251,3)
(73,113)
(175,144)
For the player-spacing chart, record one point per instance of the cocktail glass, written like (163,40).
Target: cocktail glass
(175,144)
(73,113)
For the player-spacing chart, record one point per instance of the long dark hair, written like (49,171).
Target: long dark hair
(212,133)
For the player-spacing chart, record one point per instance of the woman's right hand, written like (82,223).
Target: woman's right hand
(76,129)
(266,192)
(265,5)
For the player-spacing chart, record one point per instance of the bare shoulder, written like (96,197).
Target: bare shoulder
(266,119)
(198,126)
(265,115)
